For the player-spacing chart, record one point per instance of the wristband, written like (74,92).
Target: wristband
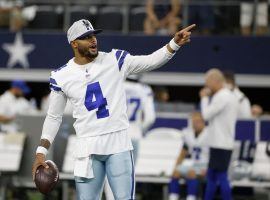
(42,150)
(173,45)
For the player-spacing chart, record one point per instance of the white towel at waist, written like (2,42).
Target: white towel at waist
(106,144)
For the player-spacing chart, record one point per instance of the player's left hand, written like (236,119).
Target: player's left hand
(183,36)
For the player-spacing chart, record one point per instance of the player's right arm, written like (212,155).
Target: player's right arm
(4,110)
(210,110)
(50,127)
(4,119)
(149,114)
(137,64)
(180,158)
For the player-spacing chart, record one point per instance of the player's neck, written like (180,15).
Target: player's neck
(82,60)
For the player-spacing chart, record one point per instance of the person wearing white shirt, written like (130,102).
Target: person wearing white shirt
(244,107)
(196,146)
(93,81)
(141,115)
(12,103)
(219,107)
(140,110)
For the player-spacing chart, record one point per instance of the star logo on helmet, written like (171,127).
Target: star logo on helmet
(86,24)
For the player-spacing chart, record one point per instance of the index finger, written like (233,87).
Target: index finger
(189,27)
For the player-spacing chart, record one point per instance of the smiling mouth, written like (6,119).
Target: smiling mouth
(93,47)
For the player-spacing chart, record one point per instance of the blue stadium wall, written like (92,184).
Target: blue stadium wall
(246,55)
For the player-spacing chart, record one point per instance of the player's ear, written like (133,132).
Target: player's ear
(74,44)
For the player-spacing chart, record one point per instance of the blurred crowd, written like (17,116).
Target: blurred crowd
(246,17)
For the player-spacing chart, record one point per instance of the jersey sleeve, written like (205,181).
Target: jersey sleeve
(148,108)
(54,83)
(3,107)
(185,139)
(129,64)
(57,104)
(244,108)
(210,110)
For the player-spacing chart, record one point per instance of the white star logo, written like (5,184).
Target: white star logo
(18,52)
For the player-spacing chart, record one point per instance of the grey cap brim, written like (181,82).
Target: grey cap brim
(97,31)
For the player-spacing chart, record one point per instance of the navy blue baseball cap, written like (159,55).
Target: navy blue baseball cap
(21,85)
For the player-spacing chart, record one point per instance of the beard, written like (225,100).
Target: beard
(18,95)
(85,52)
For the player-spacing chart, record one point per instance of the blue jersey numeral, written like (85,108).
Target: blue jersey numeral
(197,152)
(137,103)
(94,91)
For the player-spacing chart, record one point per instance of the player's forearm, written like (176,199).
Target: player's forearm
(149,119)
(45,143)
(211,110)
(181,157)
(53,119)
(5,119)
(204,104)
(208,112)
(43,147)
(150,62)
(50,127)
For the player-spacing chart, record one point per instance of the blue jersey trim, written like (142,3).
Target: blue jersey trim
(122,59)
(118,54)
(55,88)
(53,81)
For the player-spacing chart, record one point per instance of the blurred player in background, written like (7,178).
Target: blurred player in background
(244,107)
(93,81)
(13,103)
(140,109)
(141,115)
(246,149)
(219,107)
(256,110)
(195,145)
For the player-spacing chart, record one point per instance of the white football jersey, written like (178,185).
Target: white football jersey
(197,146)
(140,108)
(244,107)
(96,90)
(10,106)
(221,114)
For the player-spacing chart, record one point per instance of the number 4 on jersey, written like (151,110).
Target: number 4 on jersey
(94,99)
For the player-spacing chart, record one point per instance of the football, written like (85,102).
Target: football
(46,179)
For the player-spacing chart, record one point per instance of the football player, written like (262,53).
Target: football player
(93,81)
(140,110)
(141,115)
(195,146)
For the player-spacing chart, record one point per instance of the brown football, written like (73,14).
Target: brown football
(46,179)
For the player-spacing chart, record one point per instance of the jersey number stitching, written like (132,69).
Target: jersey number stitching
(94,91)
(197,152)
(137,103)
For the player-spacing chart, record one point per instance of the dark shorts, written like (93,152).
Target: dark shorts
(219,159)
